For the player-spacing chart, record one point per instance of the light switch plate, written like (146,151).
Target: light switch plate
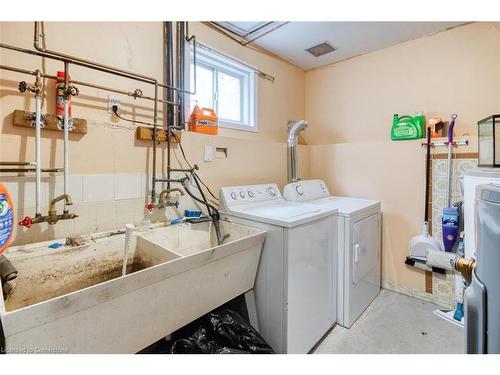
(209,153)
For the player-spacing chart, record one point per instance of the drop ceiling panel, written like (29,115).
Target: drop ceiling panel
(349,38)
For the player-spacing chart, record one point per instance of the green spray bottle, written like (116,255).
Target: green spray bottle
(408,127)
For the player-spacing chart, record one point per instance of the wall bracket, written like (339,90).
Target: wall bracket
(146,134)
(50,122)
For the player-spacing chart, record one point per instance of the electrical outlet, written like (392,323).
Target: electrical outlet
(113,101)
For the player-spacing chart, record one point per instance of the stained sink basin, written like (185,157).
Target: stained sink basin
(75,299)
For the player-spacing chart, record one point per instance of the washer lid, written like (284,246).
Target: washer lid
(348,206)
(483,172)
(284,214)
(488,193)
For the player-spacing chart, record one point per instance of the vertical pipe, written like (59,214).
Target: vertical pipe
(181,43)
(170,93)
(292,166)
(170,71)
(154,138)
(38,157)
(66,132)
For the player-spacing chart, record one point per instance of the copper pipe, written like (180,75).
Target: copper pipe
(20,170)
(67,202)
(87,84)
(45,52)
(15,163)
(465,267)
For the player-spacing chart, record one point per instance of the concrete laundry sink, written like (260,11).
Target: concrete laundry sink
(75,300)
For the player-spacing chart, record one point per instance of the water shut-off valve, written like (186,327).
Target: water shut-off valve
(26,222)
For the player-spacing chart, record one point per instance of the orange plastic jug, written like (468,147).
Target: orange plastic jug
(203,121)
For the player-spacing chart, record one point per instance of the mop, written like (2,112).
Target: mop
(421,244)
(450,231)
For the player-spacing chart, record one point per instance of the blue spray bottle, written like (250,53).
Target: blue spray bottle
(459,285)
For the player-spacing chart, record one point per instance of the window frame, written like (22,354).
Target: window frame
(210,59)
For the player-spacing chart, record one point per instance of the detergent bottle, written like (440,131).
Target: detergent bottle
(408,127)
(203,121)
(6,218)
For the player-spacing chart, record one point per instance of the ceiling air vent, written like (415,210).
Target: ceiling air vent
(321,49)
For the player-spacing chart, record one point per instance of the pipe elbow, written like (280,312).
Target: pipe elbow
(294,128)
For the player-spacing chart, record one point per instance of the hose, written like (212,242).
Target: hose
(212,210)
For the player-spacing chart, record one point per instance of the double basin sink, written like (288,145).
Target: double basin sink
(75,299)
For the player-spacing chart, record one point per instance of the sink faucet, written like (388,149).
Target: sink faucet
(52,217)
(164,200)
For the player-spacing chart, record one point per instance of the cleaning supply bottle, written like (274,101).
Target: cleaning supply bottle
(450,227)
(60,95)
(459,285)
(203,121)
(407,127)
(6,218)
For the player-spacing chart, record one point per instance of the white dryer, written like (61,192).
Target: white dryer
(359,242)
(296,283)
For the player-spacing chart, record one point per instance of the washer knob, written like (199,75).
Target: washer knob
(233,195)
(251,194)
(242,194)
(271,191)
(299,189)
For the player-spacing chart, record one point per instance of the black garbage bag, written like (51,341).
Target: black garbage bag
(221,332)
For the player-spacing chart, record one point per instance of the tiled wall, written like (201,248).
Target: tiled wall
(443,286)
(103,202)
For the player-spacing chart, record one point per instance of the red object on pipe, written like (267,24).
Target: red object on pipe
(60,95)
(26,222)
(150,207)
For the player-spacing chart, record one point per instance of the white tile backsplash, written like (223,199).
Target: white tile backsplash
(98,188)
(128,186)
(102,202)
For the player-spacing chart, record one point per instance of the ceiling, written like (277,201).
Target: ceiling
(290,40)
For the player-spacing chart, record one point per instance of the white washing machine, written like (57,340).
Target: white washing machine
(296,282)
(359,241)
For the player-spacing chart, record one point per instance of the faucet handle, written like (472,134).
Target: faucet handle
(26,222)
(150,207)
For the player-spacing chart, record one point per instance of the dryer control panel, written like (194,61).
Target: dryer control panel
(305,190)
(237,195)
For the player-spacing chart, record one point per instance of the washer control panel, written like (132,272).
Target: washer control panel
(236,195)
(305,190)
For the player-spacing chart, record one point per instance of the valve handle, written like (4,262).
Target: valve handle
(22,86)
(137,93)
(150,207)
(73,90)
(26,222)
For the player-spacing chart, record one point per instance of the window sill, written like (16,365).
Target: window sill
(237,126)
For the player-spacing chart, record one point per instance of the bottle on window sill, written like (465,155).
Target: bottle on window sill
(204,121)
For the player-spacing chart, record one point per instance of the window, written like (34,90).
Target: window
(227,86)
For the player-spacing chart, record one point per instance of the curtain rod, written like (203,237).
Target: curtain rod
(259,72)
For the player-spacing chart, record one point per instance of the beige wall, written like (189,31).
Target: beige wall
(110,147)
(350,105)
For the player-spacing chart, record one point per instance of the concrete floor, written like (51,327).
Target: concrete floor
(395,324)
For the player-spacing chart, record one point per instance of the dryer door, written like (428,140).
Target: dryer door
(364,266)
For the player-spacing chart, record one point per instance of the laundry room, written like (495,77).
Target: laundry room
(178,185)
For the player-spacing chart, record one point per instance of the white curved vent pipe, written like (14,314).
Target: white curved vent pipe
(294,128)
